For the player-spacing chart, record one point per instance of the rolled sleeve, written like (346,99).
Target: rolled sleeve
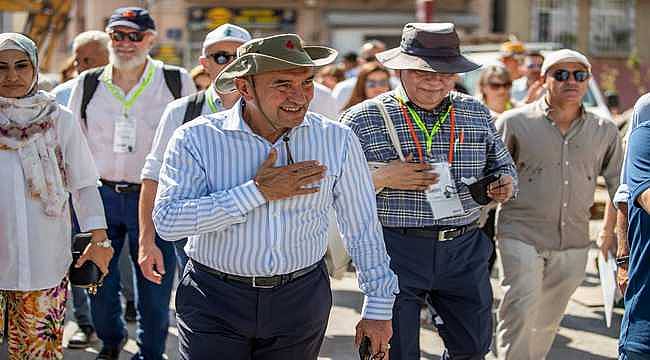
(377,308)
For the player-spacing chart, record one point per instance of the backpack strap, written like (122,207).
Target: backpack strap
(173,80)
(194,106)
(91,81)
(390,127)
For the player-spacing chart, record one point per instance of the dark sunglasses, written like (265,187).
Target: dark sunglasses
(135,36)
(222,57)
(496,86)
(371,84)
(564,75)
(534,66)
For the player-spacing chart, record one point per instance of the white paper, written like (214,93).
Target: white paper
(443,196)
(607,272)
(124,136)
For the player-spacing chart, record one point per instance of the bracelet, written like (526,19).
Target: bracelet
(623,260)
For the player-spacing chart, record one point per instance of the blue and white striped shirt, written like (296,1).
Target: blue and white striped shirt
(207,193)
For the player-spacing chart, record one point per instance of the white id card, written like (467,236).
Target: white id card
(443,197)
(124,136)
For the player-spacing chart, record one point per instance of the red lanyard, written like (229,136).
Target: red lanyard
(414,136)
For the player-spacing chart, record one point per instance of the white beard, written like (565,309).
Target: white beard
(137,60)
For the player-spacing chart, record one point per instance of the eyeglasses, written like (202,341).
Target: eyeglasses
(534,66)
(564,75)
(371,84)
(497,86)
(134,36)
(222,57)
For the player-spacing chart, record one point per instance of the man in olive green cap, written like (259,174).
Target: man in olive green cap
(251,188)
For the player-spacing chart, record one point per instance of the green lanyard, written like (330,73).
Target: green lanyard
(428,135)
(209,98)
(117,93)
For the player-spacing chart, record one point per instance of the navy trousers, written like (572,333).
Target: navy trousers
(453,277)
(224,319)
(152,300)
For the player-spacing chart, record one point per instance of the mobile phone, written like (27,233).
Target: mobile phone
(364,349)
(479,189)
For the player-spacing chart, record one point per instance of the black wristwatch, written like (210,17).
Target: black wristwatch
(622,261)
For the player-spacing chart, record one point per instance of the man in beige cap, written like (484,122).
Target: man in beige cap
(252,188)
(560,148)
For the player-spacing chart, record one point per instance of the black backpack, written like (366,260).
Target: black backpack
(91,81)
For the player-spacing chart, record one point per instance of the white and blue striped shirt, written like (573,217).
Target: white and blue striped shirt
(207,193)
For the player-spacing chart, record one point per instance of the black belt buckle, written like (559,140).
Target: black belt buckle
(259,286)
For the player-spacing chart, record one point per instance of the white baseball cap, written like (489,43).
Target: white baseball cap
(226,32)
(564,56)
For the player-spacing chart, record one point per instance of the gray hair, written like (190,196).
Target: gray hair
(91,36)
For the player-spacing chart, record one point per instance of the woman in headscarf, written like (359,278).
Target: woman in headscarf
(44,158)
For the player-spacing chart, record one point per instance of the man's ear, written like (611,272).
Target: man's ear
(244,86)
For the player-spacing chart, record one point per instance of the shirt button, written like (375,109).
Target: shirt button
(566,142)
(566,182)
(563,223)
(565,204)
(566,163)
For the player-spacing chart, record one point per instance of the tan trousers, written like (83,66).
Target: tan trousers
(537,287)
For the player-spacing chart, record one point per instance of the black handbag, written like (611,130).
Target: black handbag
(87,276)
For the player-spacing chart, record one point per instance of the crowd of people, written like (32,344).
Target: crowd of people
(229,173)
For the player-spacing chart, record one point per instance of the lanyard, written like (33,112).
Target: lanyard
(409,114)
(128,104)
(209,98)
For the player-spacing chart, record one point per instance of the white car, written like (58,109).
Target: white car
(489,55)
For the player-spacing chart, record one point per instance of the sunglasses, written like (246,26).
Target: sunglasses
(564,75)
(534,66)
(371,84)
(222,57)
(497,86)
(135,36)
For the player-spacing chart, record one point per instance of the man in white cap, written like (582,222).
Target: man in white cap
(560,148)
(219,50)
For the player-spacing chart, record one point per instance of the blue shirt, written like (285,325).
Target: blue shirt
(62,92)
(479,153)
(206,192)
(640,113)
(635,328)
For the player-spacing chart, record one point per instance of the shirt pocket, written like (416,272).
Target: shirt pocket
(470,152)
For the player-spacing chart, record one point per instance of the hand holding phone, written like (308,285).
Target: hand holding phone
(479,189)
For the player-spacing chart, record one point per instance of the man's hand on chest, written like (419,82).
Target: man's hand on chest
(277,183)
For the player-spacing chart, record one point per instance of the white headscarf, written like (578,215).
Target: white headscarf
(27,125)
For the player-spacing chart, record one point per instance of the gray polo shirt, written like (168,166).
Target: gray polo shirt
(557,175)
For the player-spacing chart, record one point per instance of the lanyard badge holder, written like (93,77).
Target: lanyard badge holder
(442,197)
(124,136)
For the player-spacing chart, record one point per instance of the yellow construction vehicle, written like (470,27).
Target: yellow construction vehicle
(45,24)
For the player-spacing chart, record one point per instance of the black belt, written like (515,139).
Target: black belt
(121,187)
(442,233)
(263,282)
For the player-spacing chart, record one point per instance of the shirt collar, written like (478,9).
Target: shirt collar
(234,121)
(545,107)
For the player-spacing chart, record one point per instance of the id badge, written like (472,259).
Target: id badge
(443,196)
(124,136)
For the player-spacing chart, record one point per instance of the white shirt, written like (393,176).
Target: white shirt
(323,102)
(342,92)
(35,248)
(103,111)
(62,92)
(171,119)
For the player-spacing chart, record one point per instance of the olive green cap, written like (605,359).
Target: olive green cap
(273,53)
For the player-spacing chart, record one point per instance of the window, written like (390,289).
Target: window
(611,27)
(555,21)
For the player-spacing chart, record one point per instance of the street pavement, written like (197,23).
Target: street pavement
(583,334)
